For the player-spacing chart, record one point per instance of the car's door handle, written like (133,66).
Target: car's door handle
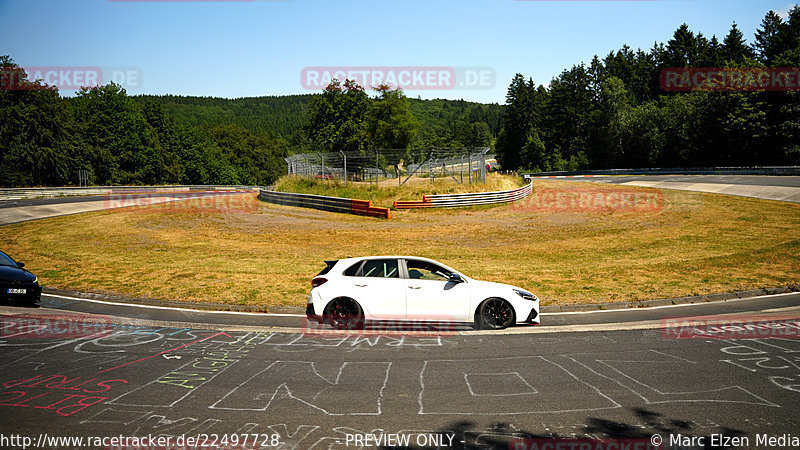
(361,285)
(415,287)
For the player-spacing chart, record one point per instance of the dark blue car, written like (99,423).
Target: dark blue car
(17,285)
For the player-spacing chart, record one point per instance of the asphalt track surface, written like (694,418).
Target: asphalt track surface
(22,210)
(224,320)
(782,188)
(109,378)
(753,180)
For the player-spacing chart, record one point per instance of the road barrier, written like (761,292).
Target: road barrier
(473,199)
(49,192)
(321,202)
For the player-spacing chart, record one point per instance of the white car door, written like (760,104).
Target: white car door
(380,290)
(432,297)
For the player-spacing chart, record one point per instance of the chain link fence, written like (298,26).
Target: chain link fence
(461,164)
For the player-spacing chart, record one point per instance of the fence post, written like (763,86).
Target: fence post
(461,167)
(308,167)
(483,166)
(469,155)
(324,176)
(344,159)
(430,166)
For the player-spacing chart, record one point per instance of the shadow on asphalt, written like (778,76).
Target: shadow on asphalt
(505,436)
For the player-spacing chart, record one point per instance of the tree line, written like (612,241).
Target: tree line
(613,113)
(45,139)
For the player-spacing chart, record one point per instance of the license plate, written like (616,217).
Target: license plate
(17,291)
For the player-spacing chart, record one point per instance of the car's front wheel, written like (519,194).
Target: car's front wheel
(494,314)
(344,314)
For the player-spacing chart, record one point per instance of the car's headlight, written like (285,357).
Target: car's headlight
(35,279)
(526,295)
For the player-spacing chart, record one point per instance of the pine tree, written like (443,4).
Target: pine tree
(681,50)
(519,119)
(768,44)
(734,47)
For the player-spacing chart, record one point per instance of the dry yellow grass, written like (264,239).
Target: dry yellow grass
(693,243)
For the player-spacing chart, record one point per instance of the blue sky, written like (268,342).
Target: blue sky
(243,49)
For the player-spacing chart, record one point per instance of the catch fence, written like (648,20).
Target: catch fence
(466,164)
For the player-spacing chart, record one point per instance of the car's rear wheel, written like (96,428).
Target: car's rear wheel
(344,314)
(494,314)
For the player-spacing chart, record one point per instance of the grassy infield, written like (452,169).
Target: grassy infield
(691,243)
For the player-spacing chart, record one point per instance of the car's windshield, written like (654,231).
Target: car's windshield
(6,260)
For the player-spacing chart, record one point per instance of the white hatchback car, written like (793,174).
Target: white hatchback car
(349,292)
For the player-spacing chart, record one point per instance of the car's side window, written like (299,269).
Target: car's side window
(423,270)
(352,270)
(380,268)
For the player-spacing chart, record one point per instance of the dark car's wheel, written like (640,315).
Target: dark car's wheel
(344,314)
(494,314)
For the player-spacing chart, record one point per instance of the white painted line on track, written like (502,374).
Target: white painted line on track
(647,308)
(172,308)
(245,313)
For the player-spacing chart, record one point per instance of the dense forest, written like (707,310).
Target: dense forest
(611,113)
(45,139)
(440,123)
(120,139)
(614,112)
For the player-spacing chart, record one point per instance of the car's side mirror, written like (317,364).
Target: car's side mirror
(20,264)
(455,278)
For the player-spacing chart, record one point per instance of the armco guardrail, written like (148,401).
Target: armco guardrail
(765,170)
(473,199)
(21,193)
(321,202)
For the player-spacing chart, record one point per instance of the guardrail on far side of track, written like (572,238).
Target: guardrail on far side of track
(321,202)
(48,192)
(471,199)
(764,170)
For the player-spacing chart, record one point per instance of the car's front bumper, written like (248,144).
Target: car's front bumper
(533,317)
(33,292)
